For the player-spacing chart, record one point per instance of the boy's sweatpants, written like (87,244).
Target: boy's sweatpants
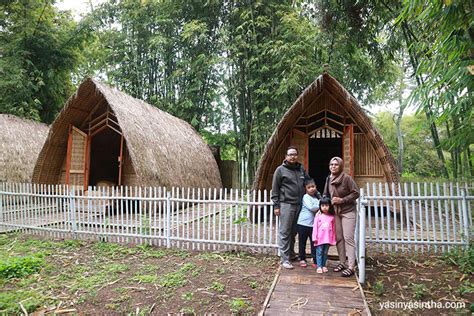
(305,233)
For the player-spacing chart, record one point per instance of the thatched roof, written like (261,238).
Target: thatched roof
(308,98)
(20,142)
(165,150)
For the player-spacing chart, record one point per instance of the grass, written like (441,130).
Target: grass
(113,278)
(379,288)
(145,278)
(217,287)
(238,305)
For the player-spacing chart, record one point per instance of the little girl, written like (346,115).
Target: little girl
(324,233)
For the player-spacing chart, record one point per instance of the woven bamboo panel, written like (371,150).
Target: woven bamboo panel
(129,176)
(366,162)
(300,141)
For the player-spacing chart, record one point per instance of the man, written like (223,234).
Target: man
(287,192)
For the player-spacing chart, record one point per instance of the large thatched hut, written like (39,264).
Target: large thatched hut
(104,135)
(20,143)
(327,121)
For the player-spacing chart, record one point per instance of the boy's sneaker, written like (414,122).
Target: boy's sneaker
(287,265)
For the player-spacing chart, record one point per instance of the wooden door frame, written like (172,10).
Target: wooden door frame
(69,155)
(349,129)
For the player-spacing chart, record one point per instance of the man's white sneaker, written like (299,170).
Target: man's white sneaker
(287,265)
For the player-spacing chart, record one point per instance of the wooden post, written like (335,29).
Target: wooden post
(68,155)
(120,161)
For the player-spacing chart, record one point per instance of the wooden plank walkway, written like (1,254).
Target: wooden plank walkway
(301,291)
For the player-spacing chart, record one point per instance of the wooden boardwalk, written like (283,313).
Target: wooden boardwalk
(302,291)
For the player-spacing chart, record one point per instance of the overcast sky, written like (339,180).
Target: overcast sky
(77,7)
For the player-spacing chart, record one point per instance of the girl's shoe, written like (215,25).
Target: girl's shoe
(325,269)
(313,265)
(319,270)
(303,264)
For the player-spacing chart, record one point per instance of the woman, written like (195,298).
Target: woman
(343,191)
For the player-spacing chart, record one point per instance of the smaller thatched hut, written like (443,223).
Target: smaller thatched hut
(327,121)
(20,143)
(104,135)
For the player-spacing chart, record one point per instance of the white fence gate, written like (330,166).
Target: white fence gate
(420,217)
(198,219)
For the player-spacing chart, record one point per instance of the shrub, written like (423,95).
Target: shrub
(463,258)
(19,267)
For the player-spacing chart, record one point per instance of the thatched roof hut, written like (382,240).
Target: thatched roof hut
(327,121)
(102,134)
(20,143)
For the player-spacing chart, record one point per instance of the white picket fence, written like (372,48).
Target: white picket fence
(200,219)
(419,217)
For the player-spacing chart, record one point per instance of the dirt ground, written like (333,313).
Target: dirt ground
(421,284)
(105,278)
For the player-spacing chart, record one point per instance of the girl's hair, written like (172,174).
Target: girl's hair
(309,181)
(327,201)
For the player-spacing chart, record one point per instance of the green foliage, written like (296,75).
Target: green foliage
(438,35)
(419,159)
(217,286)
(145,278)
(419,290)
(238,305)
(30,299)
(173,279)
(188,296)
(40,48)
(463,258)
(19,267)
(379,288)
(253,284)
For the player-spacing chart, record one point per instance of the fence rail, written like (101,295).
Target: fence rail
(420,217)
(211,219)
(404,217)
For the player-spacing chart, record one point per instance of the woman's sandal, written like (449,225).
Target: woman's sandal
(347,273)
(319,270)
(339,268)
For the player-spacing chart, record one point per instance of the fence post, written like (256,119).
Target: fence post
(3,227)
(72,212)
(168,220)
(361,247)
(465,218)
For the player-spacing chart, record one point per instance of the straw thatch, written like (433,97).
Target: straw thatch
(164,150)
(325,93)
(20,142)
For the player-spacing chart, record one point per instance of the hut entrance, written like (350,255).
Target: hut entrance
(106,150)
(323,145)
(105,158)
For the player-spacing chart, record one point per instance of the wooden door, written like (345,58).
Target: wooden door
(77,157)
(348,149)
(299,139)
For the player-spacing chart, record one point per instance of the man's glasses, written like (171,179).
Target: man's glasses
(292,155)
